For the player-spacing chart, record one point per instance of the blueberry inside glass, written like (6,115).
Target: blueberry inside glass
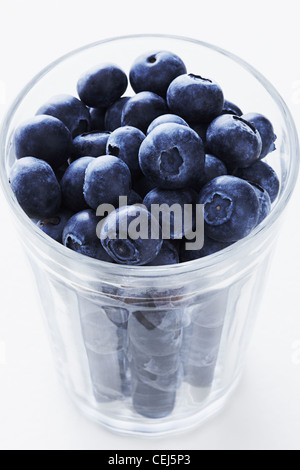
(90,170)
(176,139)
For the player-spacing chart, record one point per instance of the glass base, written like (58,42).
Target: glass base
(157,428)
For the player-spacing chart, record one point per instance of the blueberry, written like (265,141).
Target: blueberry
(158,365)
(150,402)
(154,71)
(70,110)
(106,179)
(166,118)
(106,346)
(200,377)
(125,143)
(209,309)
(53,226)
(210,247)
(172,319)
(172,156)
(167,299)
(43,137)
(72,185)
(143,186)
(167,255)
(263,175)
(91,144)
(142,109)
(125,374)
(36,187)
(173,223)
(235,141)
(118,316)
(195,99)
(166,383)
(201,130)
(151,340)
(266,131)
(119,243)
(231,208)
(204,344)
(113,114)
(213,168)
(201,354)
(102,85)
(134,198)
(231,108)
(80,235)
(59,172)
(97,119)
(100,334)
(108,375)
(264,202)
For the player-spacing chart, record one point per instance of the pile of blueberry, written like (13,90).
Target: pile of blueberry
(177,140)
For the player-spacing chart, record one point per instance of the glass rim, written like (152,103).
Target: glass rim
(154,271)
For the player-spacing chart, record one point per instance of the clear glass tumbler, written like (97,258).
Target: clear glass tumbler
(153,350)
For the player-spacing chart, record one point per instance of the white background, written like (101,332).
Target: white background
(264,413)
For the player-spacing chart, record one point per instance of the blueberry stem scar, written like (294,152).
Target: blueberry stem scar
(198,77)
(238,118)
